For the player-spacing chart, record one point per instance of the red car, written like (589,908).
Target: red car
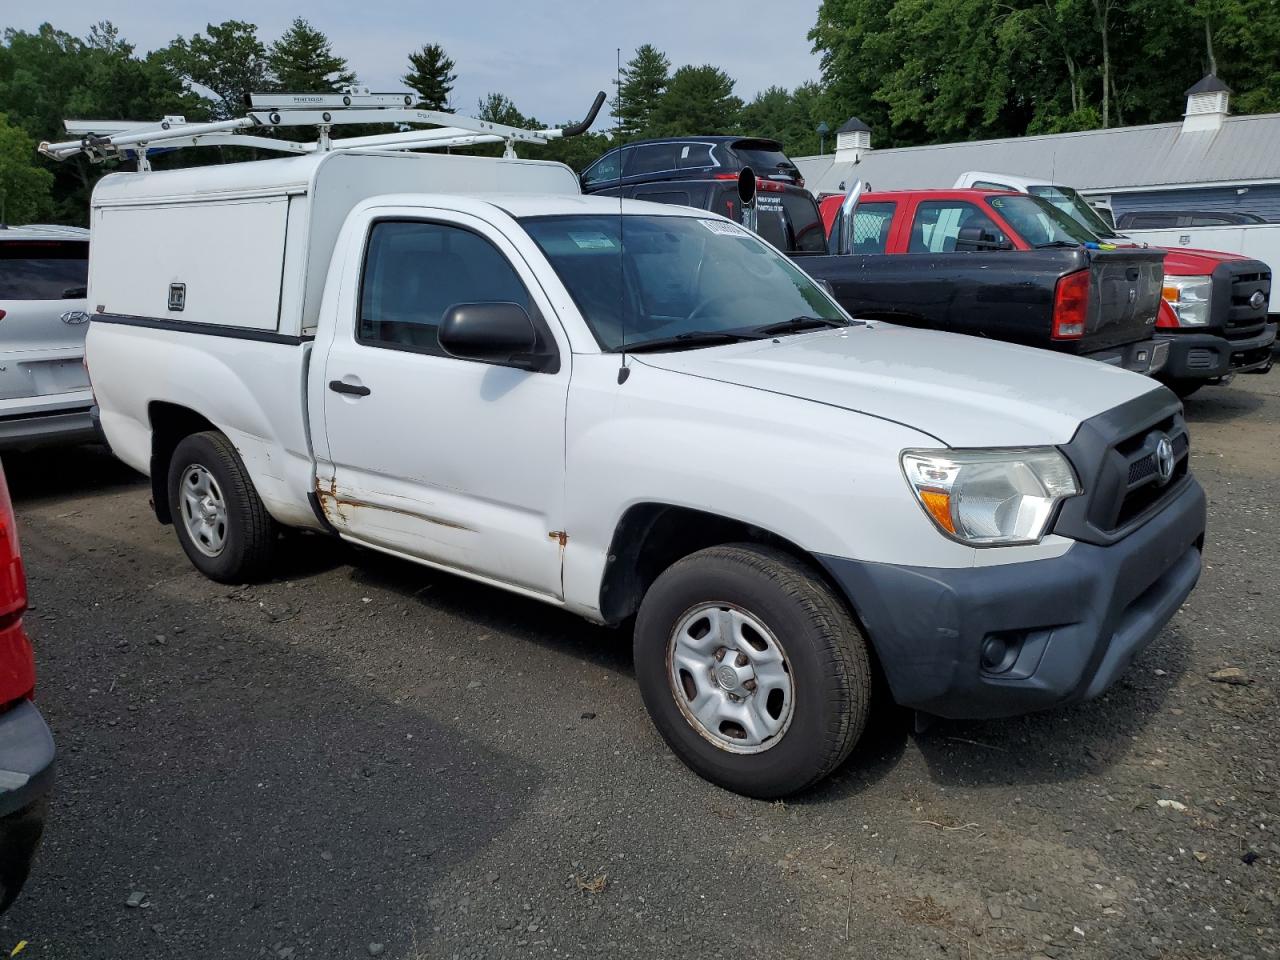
(26,746)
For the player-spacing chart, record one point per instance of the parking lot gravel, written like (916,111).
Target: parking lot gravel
(367,758)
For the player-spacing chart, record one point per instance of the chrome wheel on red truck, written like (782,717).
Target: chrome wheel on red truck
(752,669)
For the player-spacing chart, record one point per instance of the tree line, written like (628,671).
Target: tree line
(918,71)
(936,71)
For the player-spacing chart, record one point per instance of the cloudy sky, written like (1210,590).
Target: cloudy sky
(549,56)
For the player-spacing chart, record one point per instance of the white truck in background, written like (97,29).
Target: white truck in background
(637,410)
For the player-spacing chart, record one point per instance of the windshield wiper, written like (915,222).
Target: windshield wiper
(796,324)
(692,339)
(1058,243)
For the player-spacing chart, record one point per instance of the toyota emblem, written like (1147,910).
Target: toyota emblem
(1164,459)
(1257,300)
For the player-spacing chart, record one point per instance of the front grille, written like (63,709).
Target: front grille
(1241,316)
(1143,488)
(1116,456)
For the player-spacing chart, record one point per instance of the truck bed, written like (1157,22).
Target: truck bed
(1005,295)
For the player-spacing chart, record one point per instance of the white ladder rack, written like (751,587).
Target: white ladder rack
(103,139)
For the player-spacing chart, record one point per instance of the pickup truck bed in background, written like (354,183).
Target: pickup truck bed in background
(954,260)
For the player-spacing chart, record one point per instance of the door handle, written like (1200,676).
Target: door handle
(353,389)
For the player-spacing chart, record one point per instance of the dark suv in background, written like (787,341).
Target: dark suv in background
(690,158)
(786,215)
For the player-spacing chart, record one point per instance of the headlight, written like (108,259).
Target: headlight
(990,497)
(1189,297)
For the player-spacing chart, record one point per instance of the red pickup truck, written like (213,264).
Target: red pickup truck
(1028,273)
(1232,338)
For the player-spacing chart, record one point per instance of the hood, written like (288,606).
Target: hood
(965,391)
(1184,261)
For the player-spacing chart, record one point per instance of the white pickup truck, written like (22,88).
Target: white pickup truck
(424,355)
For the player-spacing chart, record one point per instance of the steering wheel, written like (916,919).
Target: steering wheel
(706,304)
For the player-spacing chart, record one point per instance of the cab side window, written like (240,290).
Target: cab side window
(938,223)
(414,272)
(871,225)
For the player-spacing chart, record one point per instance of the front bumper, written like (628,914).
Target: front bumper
(26,777)
(1070,625)
(1207,356)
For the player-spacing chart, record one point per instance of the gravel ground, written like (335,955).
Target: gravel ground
(364,757)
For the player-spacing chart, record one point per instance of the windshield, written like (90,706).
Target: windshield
(1075,206)
(638,279)
(1039,222)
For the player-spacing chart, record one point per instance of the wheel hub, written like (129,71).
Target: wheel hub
(204,510)
(730,677)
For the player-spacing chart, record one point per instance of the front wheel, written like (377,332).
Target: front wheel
(752,669)
(220,519)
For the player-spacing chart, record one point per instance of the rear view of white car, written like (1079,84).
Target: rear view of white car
(44,389)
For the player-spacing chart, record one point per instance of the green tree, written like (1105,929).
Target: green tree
(644,80)
(24,186)
(431,76)
(228,61)
(789,116)
(499,108)
(698,100)
(303,61)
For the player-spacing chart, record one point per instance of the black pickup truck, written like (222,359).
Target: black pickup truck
(993,264)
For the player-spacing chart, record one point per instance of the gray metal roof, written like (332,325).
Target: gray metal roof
(43,231)
(1210,83)
(1243,149)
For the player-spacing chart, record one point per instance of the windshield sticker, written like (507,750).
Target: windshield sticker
(997,202)
(724,228)
(592,241)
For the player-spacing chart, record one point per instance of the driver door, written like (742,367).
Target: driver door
(456,462)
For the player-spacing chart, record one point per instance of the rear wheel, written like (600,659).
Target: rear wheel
(219,517)
(752,669)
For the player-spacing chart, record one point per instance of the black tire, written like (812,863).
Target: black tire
(250,532)
(1184,388)
(829,665)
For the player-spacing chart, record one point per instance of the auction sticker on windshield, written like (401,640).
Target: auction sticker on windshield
(592,241)
(724,228)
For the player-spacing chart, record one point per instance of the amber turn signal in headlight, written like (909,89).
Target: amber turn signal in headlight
(993,497)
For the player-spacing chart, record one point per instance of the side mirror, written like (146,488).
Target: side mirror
(976,238)
(498,333)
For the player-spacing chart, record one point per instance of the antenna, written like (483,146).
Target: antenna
(623,371)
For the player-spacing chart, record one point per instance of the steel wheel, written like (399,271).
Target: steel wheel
(204,510)
(730,677)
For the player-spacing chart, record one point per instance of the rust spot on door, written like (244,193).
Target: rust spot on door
(560,537)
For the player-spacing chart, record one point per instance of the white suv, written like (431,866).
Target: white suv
(44,389)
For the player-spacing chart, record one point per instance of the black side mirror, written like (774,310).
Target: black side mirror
(976,238)
(498,333)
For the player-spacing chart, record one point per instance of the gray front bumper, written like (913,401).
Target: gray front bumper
(1075,621)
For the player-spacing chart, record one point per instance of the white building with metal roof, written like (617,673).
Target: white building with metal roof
(1208,161)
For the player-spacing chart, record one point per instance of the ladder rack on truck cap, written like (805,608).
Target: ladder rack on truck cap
(103,139)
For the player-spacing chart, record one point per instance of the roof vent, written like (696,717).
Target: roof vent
(852,140)
(1207,105)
